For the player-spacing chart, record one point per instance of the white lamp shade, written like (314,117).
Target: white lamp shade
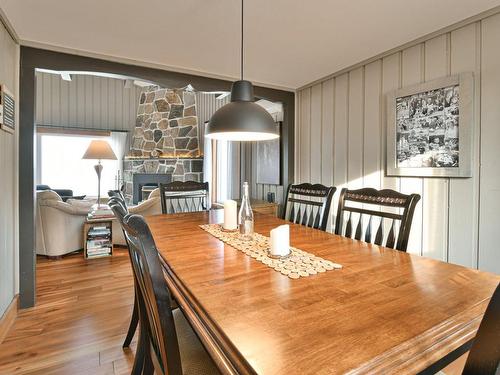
(99,149)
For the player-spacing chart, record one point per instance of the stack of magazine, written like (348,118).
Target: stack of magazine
(100,212)
(99,241)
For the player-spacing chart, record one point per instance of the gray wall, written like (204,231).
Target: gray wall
(9,266)
(340,141)
(85,102)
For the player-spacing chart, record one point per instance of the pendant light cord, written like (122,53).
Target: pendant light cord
(242,39)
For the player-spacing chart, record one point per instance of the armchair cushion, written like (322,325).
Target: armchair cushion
(58,225)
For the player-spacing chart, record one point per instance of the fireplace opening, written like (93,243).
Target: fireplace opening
(144,183)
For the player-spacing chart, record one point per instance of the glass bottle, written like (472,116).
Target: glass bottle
(245,216)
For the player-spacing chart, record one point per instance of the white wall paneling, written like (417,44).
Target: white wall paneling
(411,73)
(340,149)
(85,102)
(341,141)
(304,161)
(9,265)
(327,129)
(435,190)
(463,193)
(489,184)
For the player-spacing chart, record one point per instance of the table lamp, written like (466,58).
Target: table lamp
(99,150)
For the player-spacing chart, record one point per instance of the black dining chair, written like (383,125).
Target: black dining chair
(119,209)
(484,356)
(117,203)
(172,346)
(308,204)
(370,205)
(189,196)
(118,194)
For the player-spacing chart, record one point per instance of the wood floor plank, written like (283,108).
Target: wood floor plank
(80,320)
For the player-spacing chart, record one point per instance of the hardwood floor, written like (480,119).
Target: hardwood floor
(80,320)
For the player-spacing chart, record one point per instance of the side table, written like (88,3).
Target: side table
(98,238)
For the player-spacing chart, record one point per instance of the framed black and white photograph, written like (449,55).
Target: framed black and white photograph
(429,128)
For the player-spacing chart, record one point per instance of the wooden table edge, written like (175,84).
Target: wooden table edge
(430,355)
(221,350)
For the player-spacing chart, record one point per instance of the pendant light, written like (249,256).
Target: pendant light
(242,119)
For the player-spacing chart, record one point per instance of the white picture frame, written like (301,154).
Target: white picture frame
(430,128)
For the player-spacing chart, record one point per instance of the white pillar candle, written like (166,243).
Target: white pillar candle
(280,240)
(230,215)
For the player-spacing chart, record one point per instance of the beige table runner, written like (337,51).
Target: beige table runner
(299,264)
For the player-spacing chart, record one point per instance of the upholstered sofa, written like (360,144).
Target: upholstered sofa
(59,225)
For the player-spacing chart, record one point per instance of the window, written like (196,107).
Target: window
(228,170)
(223,171)
(62,167)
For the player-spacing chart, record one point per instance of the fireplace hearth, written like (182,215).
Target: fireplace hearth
(141,180)
(140,172)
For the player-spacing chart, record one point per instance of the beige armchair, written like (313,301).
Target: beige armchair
(59,225)
(151,206)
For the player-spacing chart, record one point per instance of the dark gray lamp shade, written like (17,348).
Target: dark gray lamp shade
(242,119)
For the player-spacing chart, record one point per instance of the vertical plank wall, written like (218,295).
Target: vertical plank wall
(86,101)
(341,141)
(9,75)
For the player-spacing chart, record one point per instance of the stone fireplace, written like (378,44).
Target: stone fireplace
(165,142)
(150,170)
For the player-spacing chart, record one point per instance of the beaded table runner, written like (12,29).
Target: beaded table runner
(299,264)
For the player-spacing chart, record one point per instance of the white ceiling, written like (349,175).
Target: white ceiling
(289,43)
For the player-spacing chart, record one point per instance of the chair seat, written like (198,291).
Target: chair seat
(195,360)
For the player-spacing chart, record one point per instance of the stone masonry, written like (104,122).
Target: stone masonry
(166,125)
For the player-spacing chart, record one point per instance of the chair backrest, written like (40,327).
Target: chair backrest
(189,196)
(116,193)
(382,219)
(119,208)
(308,204)
(484,356)
(155,296)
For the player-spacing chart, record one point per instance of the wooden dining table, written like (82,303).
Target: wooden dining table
(384,312)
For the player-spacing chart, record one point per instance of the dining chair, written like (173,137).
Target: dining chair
(369,205)
(117,193)
(189,196)
(118,205)
(484,356)
(308,204)
(173,346)
(119,209)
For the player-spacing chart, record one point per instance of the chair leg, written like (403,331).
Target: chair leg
(149,368)
(139,360)
(134,321)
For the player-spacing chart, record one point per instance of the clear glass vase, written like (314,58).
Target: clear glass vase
(245,216)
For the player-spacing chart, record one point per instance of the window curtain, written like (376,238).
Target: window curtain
(208,165)
(118,141)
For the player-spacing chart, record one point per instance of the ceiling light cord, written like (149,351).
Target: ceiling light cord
(242,40)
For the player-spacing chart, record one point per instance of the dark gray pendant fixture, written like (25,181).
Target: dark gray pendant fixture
(242,119)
